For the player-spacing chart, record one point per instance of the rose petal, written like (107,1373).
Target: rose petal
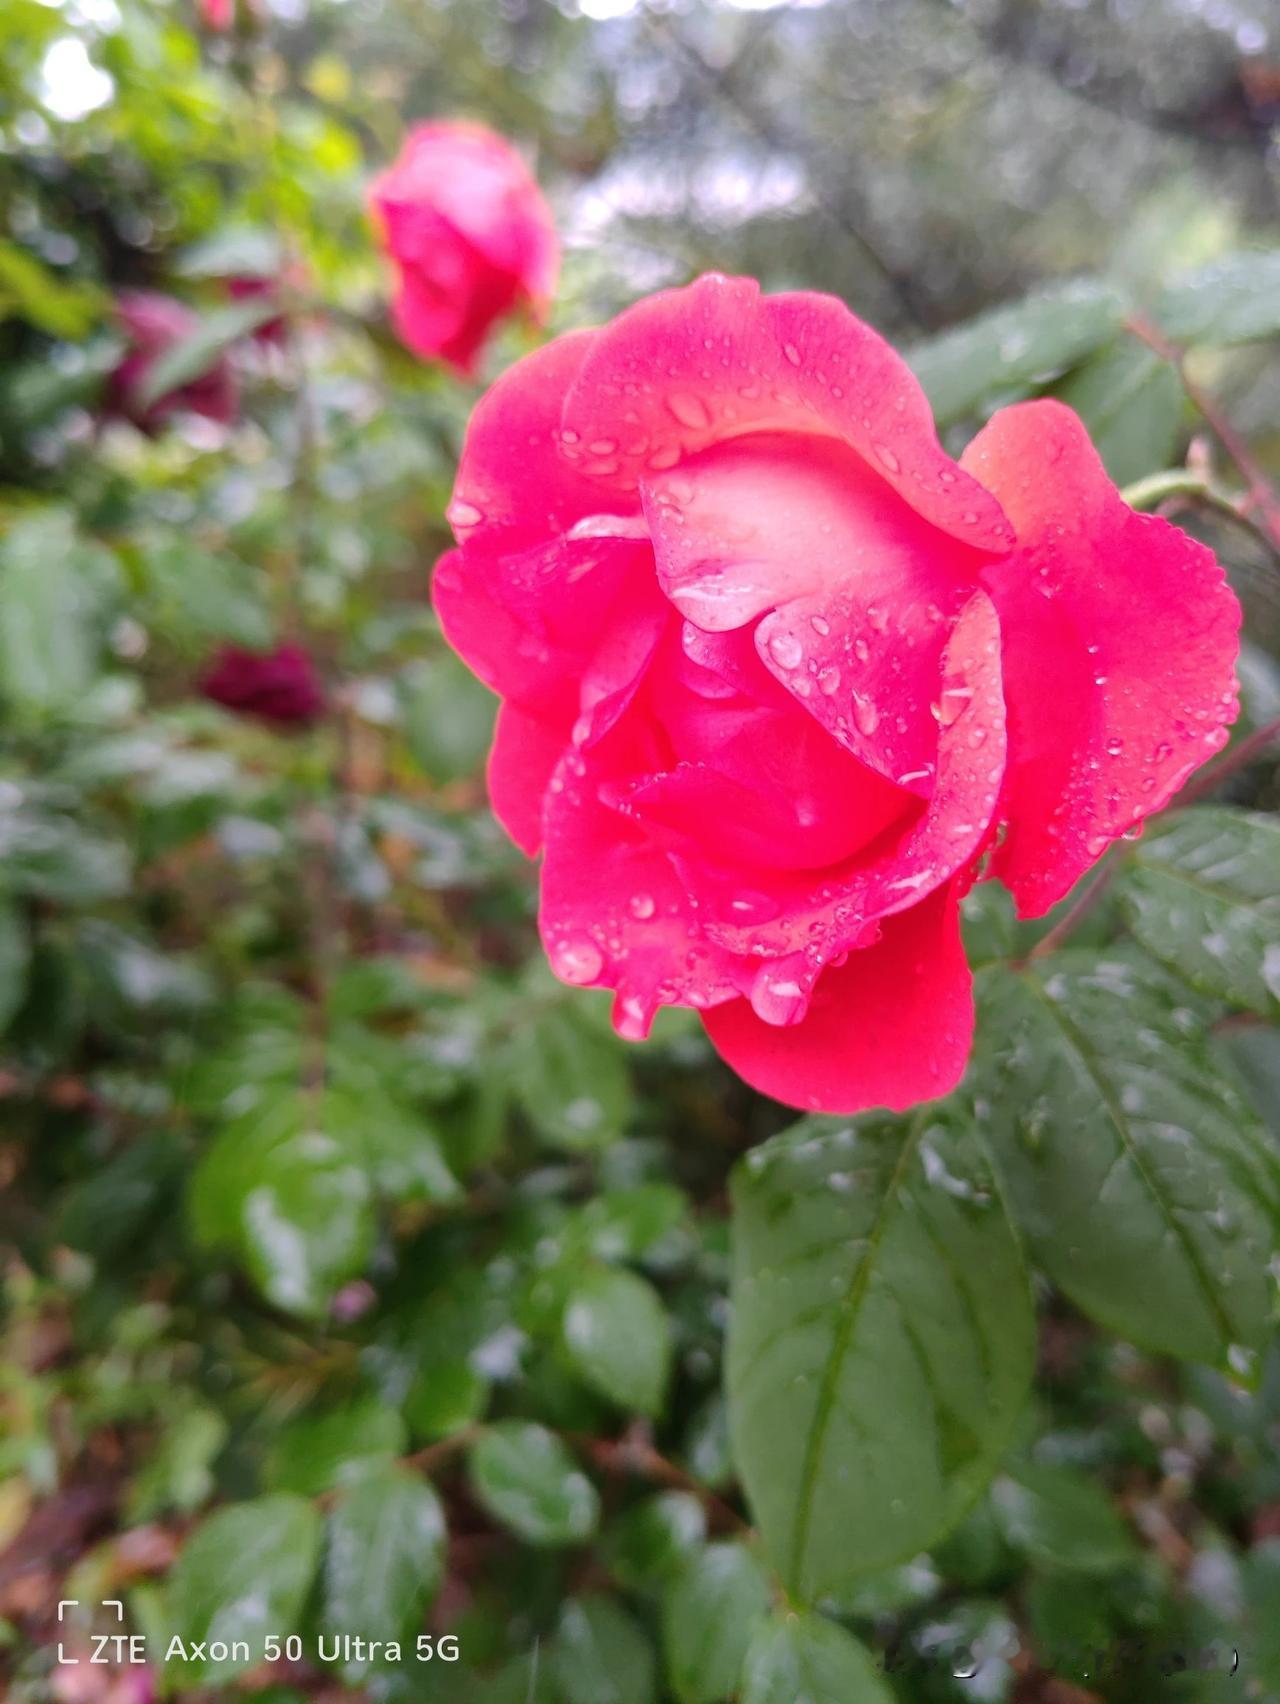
(474,179)
(522,761)
(774,794)
(520,483)
(861,589)
(890,1027)
(689,368)
(827,917)
(613,913)
(1120,639)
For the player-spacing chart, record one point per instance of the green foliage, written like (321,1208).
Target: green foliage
(383,1559)
(243,1576)
(1004,353)
(527,1479)
(600,1656)
(1201,893)
(882,1336)
(617,1336)
(802,1659)
(1140,1175)
(711,1610)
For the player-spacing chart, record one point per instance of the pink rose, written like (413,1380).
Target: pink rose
(781,680)
(470,237)
(275,686)
(217,15)
(153,324)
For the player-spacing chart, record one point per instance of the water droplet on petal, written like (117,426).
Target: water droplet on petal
(689,410)
(642,906)
(786,650)
(792,353)
(577,961)
(462,514)
(865,715)
(888,459)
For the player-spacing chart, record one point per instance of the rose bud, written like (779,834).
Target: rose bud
(781,679)
(153,324)
(279,686)
(469,235)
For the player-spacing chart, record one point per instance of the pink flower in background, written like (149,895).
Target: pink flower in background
(781,680)
(153,324)
(244,287)
(470,236)
(275,686)
(217,15)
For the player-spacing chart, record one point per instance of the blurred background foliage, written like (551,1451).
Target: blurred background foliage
(352,1270)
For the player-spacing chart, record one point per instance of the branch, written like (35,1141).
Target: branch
(1262,495)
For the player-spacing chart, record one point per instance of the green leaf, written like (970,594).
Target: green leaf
(626,1224)
(600,1655)
(655,1538)
(1137,1171)
(200,595)
(618,1337)
(192,356)
(250,251)
(328,1447)
(1131,402)
(1014,348)
(32,291)
(50,583)
(46,855)
(111,1211)
(1262,1595)
(528,1480)
(707,1446)
(397,1149)
(448,717)
(1232,300)
(1253,1051)
(289,1184)
(570,1078)
(1061,1516)
(15,957)
(306,1226)
(243,1575)
(283,1192)
(881,1339)
(384,1558)
(711,1612)
(803,1659)
(179,1472)
(445,1396)
(1202,893)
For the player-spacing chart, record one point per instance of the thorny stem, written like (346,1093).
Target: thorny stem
(1262,495)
